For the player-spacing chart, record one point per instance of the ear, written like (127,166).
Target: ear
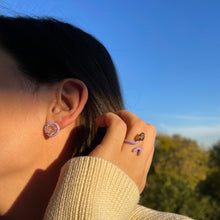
(71,97)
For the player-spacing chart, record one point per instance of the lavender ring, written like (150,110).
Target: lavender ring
(139,149)
(131,142)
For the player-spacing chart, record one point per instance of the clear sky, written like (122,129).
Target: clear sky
(167,53)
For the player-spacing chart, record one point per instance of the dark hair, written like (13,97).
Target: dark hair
(48,50)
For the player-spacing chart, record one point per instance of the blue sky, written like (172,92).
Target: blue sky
(167,54)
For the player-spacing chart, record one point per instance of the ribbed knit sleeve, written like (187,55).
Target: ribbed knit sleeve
(143,213)
(92,188)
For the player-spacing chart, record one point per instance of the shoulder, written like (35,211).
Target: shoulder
(143,213)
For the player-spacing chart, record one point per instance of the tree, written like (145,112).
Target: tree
(178,167)
(178,156)
(211,185)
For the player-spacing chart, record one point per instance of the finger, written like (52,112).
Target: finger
(128,117)
(116,131)
(134,125)
(148,165)
(147,144)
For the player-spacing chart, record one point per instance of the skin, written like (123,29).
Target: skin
(31,162)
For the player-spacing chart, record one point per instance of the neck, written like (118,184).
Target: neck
(32,201)
(29,201)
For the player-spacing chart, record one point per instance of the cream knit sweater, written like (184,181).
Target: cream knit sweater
(94,188)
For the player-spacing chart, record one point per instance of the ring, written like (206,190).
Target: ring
(138,138)
(138,149)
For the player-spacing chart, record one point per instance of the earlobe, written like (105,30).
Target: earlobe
(72,95)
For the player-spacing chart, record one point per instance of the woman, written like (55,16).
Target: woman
(55,80)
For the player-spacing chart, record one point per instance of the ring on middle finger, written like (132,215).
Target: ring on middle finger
(138,138)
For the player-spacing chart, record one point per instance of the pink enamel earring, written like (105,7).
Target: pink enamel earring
(51,129)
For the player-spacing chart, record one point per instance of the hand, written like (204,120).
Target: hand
(126,125)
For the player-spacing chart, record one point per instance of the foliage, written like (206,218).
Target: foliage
(180,174)
(211,185)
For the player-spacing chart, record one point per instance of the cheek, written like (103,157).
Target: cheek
(20,130)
